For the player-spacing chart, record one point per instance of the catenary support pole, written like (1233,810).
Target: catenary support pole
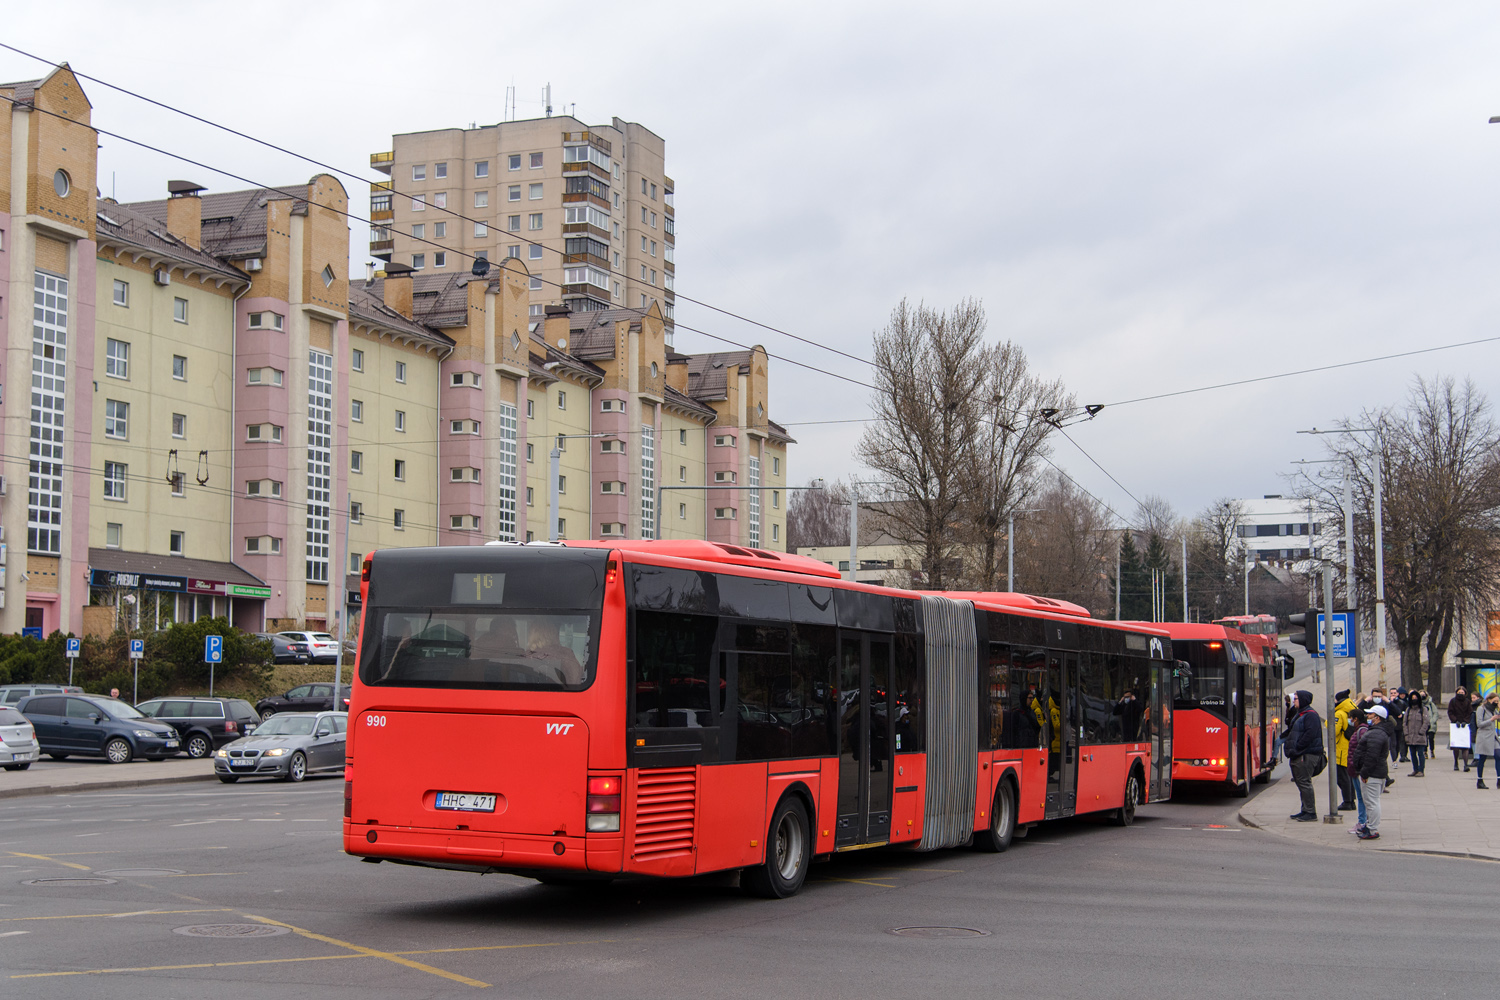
(1351,596)
(1184,578)
(1379,558)
(854,531)
(1326,639)
(1010,553)
(1118,546)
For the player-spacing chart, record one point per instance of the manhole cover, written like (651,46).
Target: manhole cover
(939,932)
(69,881)
(230,930)
(142,872)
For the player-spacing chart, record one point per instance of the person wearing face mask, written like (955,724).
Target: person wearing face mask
(1304,750)
(1414,727)
(1485,741)
(1359,724)
(1459,714)
(1430,707)
(1396,705)
(1368,760)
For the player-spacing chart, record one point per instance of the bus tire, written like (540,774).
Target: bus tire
(1125,815)
(788,852)
(1263,776)
(1240,789)
(1002,821)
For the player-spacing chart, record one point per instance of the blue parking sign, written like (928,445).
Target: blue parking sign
(137,649)
(213,648)
(73,647)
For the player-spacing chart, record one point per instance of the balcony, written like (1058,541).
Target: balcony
(383,162)
(382,249)
(383,215)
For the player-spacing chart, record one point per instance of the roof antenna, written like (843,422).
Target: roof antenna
(547,98)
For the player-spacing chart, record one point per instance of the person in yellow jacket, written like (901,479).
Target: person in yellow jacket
(1036,709)
(1341,749)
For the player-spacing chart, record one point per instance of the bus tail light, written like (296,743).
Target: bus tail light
(611,572)
(348,796)
(603,804)
(364,570)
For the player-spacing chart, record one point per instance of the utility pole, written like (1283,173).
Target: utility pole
(1118,546)
(343,608)
(1327,640)
(1184,578)
(853,532)
(1351,598)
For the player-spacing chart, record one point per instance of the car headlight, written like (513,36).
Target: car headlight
(147,734)
(221,753)
(279,751)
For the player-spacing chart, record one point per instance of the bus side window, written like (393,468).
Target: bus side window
(673,663)
(813,686)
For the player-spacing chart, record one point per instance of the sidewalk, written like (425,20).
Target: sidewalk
(1443,813)
(79,775)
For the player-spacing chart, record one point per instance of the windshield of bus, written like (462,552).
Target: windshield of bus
(483,618)
(1201,678)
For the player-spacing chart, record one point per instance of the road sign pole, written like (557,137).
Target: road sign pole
(1328,685)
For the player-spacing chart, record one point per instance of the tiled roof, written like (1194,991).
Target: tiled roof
(120,225)
(25,90)
(778,433)
(438,299)
(683,401)
(708,374)
(366,304)
(234,222)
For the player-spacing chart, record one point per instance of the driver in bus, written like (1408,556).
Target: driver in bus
(543,643)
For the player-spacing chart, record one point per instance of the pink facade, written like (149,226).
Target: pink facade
(725,460)
(464,499)
(265,403)
(611,466)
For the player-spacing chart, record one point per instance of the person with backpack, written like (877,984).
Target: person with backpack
(1368,759)
(1304,751)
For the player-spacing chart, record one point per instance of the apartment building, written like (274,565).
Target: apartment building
(1279,530)
(588,208)
(221,422)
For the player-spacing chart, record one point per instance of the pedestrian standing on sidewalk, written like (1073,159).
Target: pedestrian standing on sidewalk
(1359,724)
(1397,707)
(1459,714)
(1367,759)
(1430,707)
(1341,713)
(1415,725)
(1304,751)
(1485,742)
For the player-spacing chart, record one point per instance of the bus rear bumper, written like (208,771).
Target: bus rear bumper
(1183,770)
(484,851)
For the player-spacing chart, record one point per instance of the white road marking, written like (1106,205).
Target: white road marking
(13,933)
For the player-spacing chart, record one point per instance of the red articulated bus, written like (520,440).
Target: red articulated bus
(670,708)
(1227,703)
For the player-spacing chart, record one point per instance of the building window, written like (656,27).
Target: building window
(401,421)
(530,497)
(562,527)
(419,171)
(328,276)
(418,261)
(536,252)
(263,432)
(481,199)
(775,532)
(536,161)
(463,427)
(400,371)
(753,474)
(114,480)
(682,473)
(179,425)
(653,220)
(112,534)
(562,484)
(177,479)
(271,320)
(481,230)
(513,193)
(357,410)
(440,260)
(723,440)
(356,512)
(530,452)
(513,223)
(263,488)
(562,400)
(419,231)
(116,419)
(534,283)
(775,499)
(179,367)
(180,310)
(116,359)
(49,355)
(682,512)
(534,192)
(514,161)
(514,251)
(419,204)
(439,171)
(400,470)
(357,361)
(122,293)
(682,436)
(439,230)
(775,466)
(175,544)
(357,461)
(723,477)
(724,513)
(653,248)
(440,200)
(264,376)
(534,221)
(481,168)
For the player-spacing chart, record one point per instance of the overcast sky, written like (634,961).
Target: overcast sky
(1146,196)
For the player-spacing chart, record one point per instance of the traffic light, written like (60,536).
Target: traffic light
(1308,620)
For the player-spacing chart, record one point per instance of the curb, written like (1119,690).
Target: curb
(1245,821)
(99,786)
(1462,855)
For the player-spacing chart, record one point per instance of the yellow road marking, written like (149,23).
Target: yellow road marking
(78,854)
(372,952)
(136,913)
(173,968)
(43,857)
(503,947)
(194,874)
(858,881)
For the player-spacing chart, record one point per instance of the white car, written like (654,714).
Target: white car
(323,647)
(18,745)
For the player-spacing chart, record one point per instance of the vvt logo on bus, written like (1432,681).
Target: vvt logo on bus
(560,728)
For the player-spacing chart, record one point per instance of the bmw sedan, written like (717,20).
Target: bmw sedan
(289,747)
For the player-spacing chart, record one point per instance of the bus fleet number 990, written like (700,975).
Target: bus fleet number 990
(374,720)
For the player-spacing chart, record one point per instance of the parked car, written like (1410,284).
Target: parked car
(323,647)
(304,698)
(286,650)
(96,726)
(18,746)
(203,724)
(11,694)
(288,747)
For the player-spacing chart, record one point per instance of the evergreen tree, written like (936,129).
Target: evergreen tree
(1159,558)
(1134,582)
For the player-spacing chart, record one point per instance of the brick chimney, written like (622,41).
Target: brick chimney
(397,288)
(185,212)
(555,328)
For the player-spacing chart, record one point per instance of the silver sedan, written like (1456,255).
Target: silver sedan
(289,747)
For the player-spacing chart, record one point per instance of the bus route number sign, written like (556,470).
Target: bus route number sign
(478,588)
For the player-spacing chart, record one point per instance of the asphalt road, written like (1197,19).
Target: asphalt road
(1183,904)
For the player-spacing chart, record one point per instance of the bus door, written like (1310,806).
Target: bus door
(864,803)
(1161,730)
(1060,723)
(1239,738)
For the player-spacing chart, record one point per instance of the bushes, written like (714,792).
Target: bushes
(173,662)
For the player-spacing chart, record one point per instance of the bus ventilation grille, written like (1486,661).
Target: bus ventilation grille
(665,812)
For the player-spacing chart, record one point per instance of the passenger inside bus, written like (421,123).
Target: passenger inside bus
(543,643)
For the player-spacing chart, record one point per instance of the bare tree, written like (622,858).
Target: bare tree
(1216,560)
(1002,474)
(818,516)
(1064,549)
(1441,458)
(927,413)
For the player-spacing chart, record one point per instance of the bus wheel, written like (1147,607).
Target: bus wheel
(1002,821)
(1240,789)
(788,850)
(1125,815)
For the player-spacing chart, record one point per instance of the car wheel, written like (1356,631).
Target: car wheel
(296,768)
(118,751)
(229,779)
(58,756)
(1125,815)
(788,850)
(1002,821)
(18,767)
(266,712)
(198,746)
